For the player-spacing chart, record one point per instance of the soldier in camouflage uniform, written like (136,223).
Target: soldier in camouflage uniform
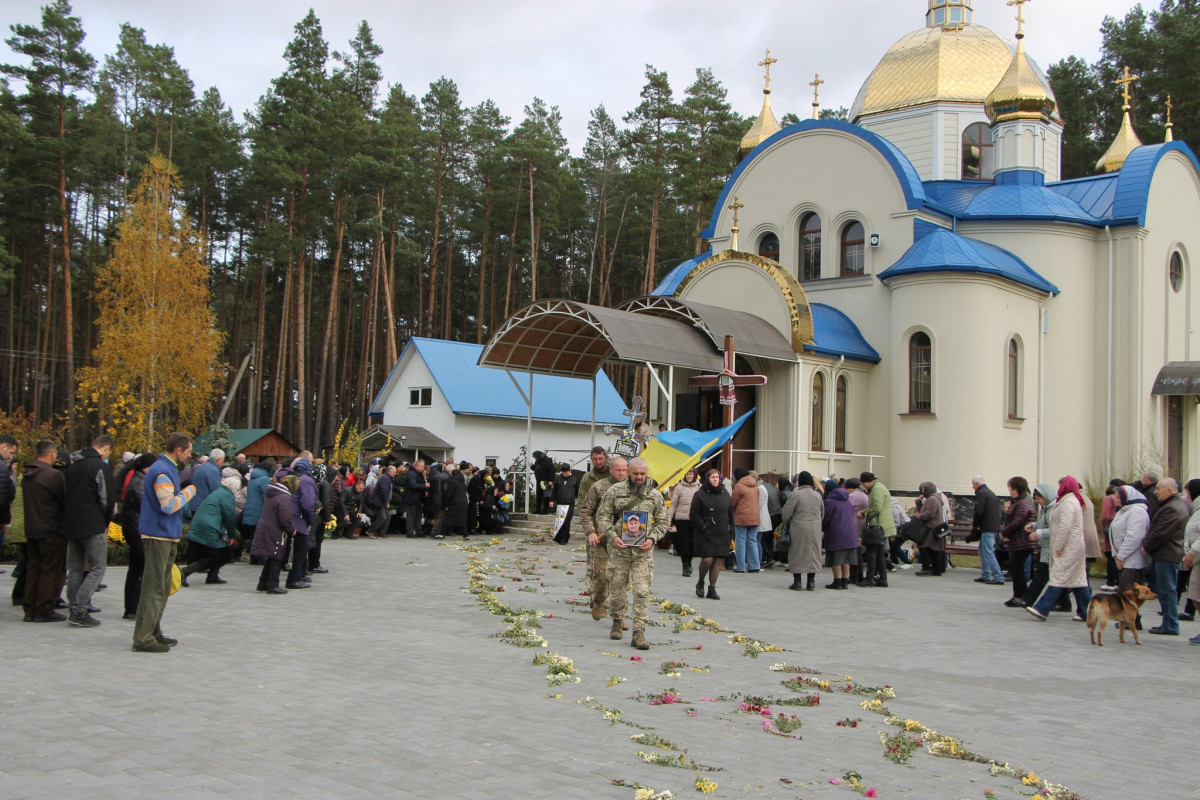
(597,552)
(625,563)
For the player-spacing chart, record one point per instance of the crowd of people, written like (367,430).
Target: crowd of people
(1039,540)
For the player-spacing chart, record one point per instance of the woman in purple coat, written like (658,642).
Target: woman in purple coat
(840,529)
(270,534)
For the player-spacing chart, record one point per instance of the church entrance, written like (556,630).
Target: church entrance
(1174,437)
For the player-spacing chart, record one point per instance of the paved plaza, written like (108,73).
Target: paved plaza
(388,679)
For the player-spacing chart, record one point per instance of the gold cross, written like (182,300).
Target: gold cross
(767,62)
(1128,79)
(816,84)
(1169,107)
(1020,19)
(734,208)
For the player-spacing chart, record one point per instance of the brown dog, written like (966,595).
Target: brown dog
(1123,607)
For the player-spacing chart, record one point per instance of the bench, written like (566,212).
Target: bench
(956,541)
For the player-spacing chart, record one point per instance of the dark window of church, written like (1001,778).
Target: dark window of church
(420,397)
(810,247)
(920,374)
(1014,379)
(818,412)
(768,246)
(853,260)
(839,410)
(977,162)
(1176,271)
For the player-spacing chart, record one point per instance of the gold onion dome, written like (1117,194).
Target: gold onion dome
(1020,94)
(1126,139)
(763,128)
(950,62)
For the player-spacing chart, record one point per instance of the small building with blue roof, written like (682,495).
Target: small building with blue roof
(479,414)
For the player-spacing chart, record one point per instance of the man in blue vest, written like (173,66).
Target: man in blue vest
(161,527)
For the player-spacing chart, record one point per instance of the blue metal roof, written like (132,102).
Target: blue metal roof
(484,391)
(1093,194)
(834,334)
(937,249)
(906,173)
(1015,194)
(1133,180)
(671,282)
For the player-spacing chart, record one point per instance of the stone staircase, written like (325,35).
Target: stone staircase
(531,524)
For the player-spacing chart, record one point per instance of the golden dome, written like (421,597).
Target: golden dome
(763,128)
(1019,94)
(959,64)
(1121,147)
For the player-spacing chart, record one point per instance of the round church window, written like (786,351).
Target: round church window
(1176,271)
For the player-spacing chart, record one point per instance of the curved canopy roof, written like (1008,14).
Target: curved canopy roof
(751,335)
(563,337)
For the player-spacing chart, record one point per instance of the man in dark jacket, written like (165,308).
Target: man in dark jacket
(305,505)
(986,526)
(433,505)
(8,486)
(90,500)
(43,496)
(566,487)
(324,515)
(543,475)
(1164,544)
(379,499)
(415,487)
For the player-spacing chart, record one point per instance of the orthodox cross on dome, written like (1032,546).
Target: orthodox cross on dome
(767,62)
(1020,18)
(735,206)
(816,84)
(727,381)
(1170,136)
(1125,82)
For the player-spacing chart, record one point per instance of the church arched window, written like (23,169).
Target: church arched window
(853,255)
(839,412)
(920,373)
(768,246)
(810,247)
(977,164)
(1013,379)
(818,411)
(1175,272)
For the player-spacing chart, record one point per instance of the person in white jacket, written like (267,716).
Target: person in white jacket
(1127,531)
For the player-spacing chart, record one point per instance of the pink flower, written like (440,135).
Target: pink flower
(707,700)
(870,792)
(693,714)
(635,658)
(836,781)
(766,724)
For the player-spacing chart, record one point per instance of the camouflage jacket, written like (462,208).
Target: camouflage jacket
(619,498)
(586,512)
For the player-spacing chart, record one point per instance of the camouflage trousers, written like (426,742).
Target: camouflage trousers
(630,566)
(597,573)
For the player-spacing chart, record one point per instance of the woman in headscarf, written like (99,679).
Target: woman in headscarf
(802,516)
(214,528)
(1016,538)
(1039,534)
(1191,534)
(1127,531)
(933,512)
(840,529)
(1068,556)
(270,535)
(680,518)
(711,515)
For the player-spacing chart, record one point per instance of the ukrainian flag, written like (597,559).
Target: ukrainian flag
(673,453)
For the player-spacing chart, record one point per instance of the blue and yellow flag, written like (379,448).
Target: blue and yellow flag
(673,453)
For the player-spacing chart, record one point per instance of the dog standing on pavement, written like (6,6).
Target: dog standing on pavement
(1123,607)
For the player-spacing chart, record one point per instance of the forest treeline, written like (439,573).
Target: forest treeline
(345,214)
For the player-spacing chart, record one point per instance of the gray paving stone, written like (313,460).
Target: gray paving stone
(385,680)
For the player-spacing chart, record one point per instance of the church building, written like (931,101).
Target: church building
(924,293)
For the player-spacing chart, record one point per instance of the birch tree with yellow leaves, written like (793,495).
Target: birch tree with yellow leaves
(156,365)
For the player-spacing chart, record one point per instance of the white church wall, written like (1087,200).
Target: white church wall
(741,287)
(950,153)
(969,319)
(437,418)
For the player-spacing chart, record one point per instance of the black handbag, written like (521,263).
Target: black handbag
(874,536)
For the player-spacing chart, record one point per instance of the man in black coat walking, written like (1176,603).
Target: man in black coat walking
(986,526)
(90,502)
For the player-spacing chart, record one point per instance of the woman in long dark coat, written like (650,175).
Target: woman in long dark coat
(802,514)
(274,525)
(711,514)
(454,501)
(932,513)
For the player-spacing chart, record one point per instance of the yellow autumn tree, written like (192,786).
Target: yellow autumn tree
(156,367)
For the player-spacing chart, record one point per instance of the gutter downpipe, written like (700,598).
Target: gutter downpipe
(833,433)
(1043,326)
(1108,421)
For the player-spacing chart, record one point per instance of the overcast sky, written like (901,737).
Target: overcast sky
(575,54)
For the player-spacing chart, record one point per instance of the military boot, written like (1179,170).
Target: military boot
(617,628)
(639,639)
(597,611)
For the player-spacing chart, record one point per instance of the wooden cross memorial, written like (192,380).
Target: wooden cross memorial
(727,381)
(630,442)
